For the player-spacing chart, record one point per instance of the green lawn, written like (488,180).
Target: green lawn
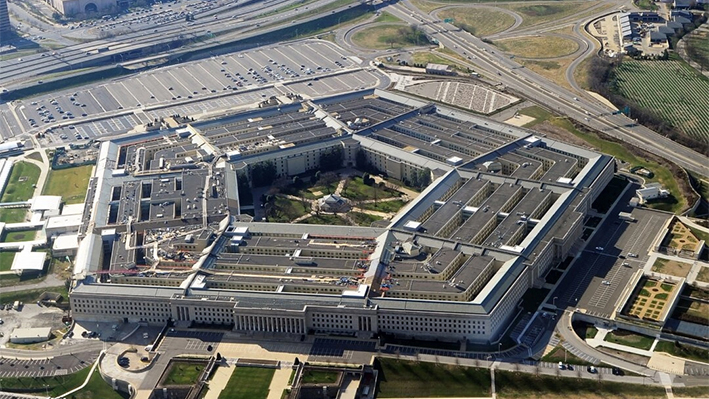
(248,383)
(525,385)
(480,22)
(646,5)
(559,354)
(356,190)
(13,215)
(399,379)
(32,295)
(683,350)
(284,210)
(629,338)
(386,17)
(319,376)
(536,14)
(386,36)
(691,392)
(53,386)
(19,186)
(618,150)
(98,388)
(384,206)
(365,219)
(183,373)
(331,220)
(6,259)
(70,183)
(19,236)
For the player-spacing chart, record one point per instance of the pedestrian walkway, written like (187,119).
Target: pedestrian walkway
(279,382)
(219,380)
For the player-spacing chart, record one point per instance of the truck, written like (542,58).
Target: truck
(17,305)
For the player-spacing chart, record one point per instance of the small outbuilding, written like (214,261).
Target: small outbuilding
(334,203)
(439,69)
(30,335)
(28,261)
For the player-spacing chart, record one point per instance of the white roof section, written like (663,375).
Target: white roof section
(27,260)
(10,145)
(55,222)
(37,332)
(88,255)
(73,209)
(46,203)
(65,242)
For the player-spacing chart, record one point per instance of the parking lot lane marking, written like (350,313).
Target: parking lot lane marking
(179,81)
(130,92)
(210,75)
(96,100)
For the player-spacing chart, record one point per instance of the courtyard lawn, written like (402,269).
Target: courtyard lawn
(20,184)
(629,338)
(363,219)
(384,206)
(319,376)
(331,220)
(6,259)
(285,210)
(183,373)
(356,190)
(70,183)
(248,383)
(13,215)
(19,236)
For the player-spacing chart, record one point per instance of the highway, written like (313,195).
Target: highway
(583,109)
(19,72)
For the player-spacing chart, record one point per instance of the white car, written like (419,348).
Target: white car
(606,282)
(599,248)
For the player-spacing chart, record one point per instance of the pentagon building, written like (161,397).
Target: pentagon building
(164,237)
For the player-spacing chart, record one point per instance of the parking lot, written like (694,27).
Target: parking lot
(311,68)
(60,365)
(617,251)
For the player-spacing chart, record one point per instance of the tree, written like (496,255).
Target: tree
(331,160)
(263,173)
(327,179)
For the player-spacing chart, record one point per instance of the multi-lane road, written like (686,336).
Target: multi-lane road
(583,109)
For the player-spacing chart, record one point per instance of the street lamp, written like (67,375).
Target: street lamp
(553,301)
(499,349)
(489,358)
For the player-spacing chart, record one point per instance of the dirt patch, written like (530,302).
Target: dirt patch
(633,358)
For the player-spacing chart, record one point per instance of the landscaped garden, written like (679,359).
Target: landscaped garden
(248,383)
(650,301)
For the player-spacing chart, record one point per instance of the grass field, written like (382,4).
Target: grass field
(646,5)
(285,210)
(480,22)
(541,13)
(384,206)
(399,379)
(13,215)
(703,274)
(628,338)
(356,190)
(383,37)
(248,383)
(19,186)
(331,220)
(54,386)
(319,376)
(525,385)
(70,183)
(654,84)
(363,219)
(538,46)
(412,380)
(19,236)
(386,17)
(662,173)
(671,267)
(32,295)
(421,57)
(698,47)
(183,373)
(6,259)
(691,392)
(683,350)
